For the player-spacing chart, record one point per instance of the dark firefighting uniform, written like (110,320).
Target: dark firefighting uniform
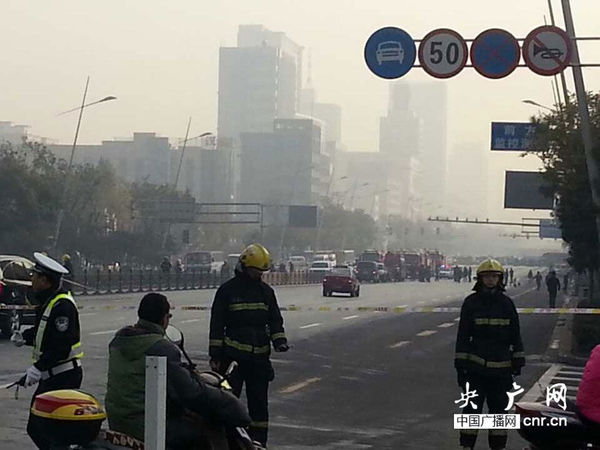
(55,338)
(245,319)
(489,352)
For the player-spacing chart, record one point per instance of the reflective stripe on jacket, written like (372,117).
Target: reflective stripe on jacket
(41,341)
(489,337)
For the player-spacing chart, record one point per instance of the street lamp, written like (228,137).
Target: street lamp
(61,212)
(531,102)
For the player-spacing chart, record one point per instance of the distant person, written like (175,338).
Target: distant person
(566,281)
(538,280)
(530,276)
(470,274)
(465,273)
(225,271)
(282,267)
(67,264)
(165,265)
(457,274)
(511,273)
(553,286)
(291,266)
(178,266)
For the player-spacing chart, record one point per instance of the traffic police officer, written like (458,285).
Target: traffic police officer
(55,337)
(489,350)
(245,320)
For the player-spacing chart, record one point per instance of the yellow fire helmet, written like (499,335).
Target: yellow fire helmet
(68,404)
(490,265)
(255,255)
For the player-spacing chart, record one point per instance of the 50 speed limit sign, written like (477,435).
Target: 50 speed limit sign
(443,53)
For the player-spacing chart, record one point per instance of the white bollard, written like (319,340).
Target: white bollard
(155,403)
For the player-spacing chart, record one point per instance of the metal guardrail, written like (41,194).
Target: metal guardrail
(103,282)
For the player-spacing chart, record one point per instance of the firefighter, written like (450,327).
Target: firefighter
(55,337)
(245,320)
(489,351)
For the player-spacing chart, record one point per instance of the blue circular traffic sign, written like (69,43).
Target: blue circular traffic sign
(390,52)
(495,53)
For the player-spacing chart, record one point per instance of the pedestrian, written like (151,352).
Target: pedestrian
(538,280)
(225,271)
(67,264)
(511,272)
(553,286)
(530,276)
(489,350)
(565,285)
(470,274)
(55,338)
(291,266)
(282,267)
(178,266)
(165,265)
(245,320)
(465,273)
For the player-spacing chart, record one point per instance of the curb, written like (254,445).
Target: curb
(559,350)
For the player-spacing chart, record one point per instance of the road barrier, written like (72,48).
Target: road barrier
(103,282)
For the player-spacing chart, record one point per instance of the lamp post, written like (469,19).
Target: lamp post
(61,211)
(531,102)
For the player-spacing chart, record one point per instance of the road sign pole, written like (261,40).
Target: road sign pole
(563,79)
(584,115)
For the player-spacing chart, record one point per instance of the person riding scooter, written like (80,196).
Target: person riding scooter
(126,383)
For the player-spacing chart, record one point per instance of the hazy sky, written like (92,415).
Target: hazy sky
(160,58)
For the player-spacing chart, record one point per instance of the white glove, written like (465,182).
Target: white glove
(32,376)
(17,338)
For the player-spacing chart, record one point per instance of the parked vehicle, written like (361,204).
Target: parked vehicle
(198,262)
(341,279)
(395,265)
(299,262)
(446,272)
(15,285)
(367,271)
(371,255)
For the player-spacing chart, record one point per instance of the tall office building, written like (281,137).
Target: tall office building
(259,81)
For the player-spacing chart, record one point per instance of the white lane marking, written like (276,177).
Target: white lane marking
(421,302)
(190,321)
(99,333)
(298,386)
(310,325)
(349,317)
(87,314)
(446,325)
(457,319)
(400,344)
(426,333)
(555,344)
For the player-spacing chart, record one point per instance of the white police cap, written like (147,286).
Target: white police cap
(45,264)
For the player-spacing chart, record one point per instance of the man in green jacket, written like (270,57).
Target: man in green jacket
(125,396)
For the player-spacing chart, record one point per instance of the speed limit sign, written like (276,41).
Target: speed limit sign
(443,53)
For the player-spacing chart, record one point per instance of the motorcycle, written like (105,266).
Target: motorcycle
(85,432)
(576,435)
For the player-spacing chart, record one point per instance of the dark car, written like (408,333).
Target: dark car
(367,271)
(341,279)
(15,285)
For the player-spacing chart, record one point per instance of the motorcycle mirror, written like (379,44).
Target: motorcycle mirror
(175,335)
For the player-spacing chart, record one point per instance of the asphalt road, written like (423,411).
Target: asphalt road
(352,380)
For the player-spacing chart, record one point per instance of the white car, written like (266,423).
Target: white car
(321,267)
(389,51)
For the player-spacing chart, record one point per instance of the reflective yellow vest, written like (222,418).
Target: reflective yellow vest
(76,351)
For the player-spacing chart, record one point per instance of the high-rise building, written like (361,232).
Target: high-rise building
(13,134)
(467,194)
(259,81)
(286,166)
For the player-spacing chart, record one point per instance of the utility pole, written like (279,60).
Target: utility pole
(563,79)
(584,116)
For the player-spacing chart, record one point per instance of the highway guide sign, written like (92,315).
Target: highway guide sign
(443,53)
(495,53)
(547,50)
(513,136)
(390,52)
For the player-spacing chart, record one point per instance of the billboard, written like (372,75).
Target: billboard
(527,190)
(512,136)
(302,216)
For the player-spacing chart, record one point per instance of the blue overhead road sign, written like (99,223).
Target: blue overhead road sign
(495,53)
(390,52)
(513,136)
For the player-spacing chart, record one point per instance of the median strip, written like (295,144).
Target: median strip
(298,386)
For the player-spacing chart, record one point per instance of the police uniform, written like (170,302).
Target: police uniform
(55,338)
(245,320)
(489,351)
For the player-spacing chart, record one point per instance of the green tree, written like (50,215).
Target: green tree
(562,153)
